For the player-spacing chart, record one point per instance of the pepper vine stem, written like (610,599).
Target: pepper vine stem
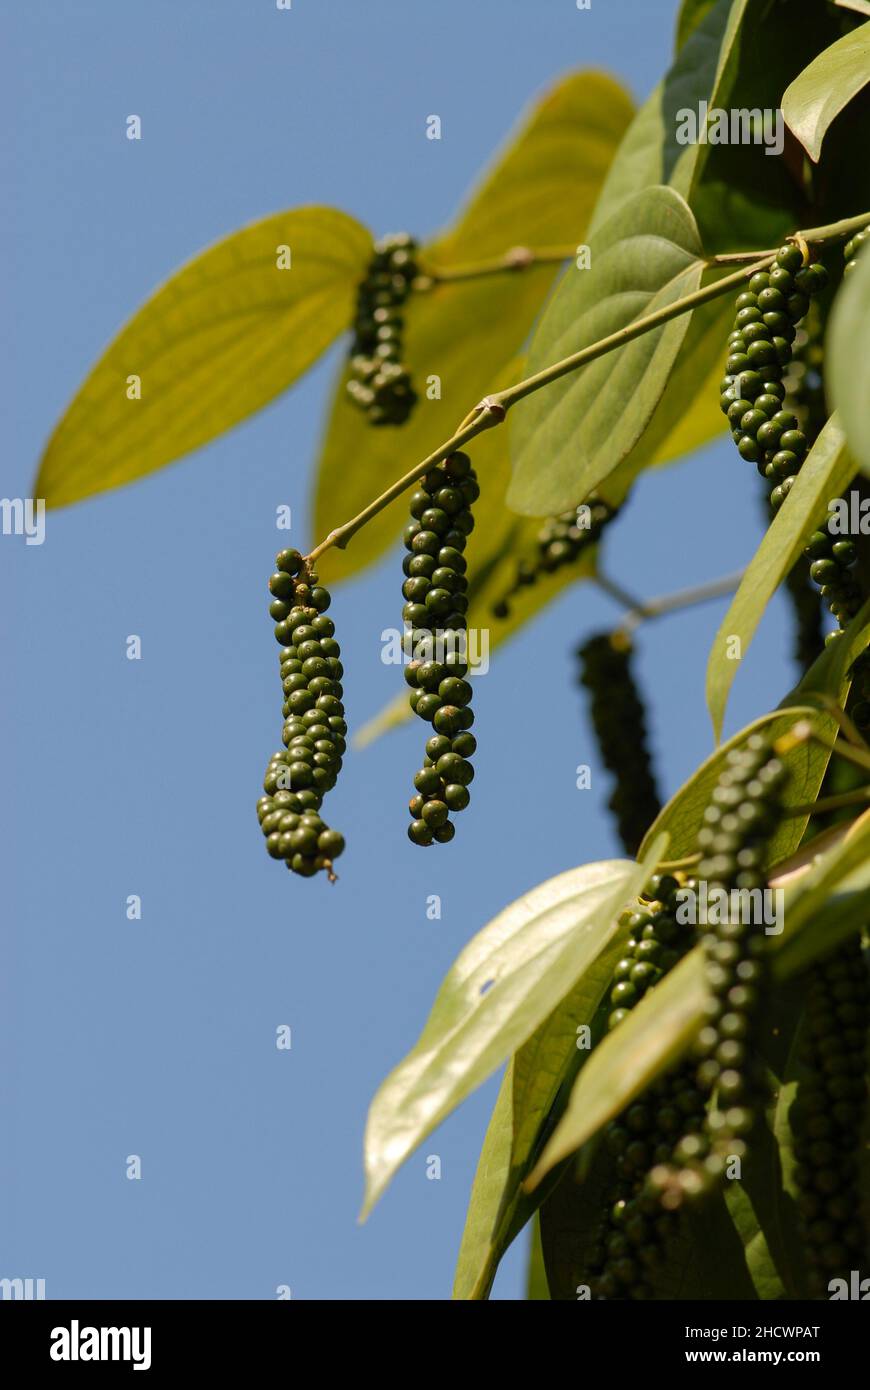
(492,409)
(517,258)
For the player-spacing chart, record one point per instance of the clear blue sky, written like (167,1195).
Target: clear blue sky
(157,1037)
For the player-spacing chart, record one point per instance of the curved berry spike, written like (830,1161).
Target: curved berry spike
(314,726)
(672,1146)
(378,383)
(436,603)
(619,722)
(561,541)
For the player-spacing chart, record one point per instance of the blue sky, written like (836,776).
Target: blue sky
(157,1037)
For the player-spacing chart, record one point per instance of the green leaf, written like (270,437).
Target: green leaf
(658,1031)
(540,193)
(224,336)
(688,414)
(500,989)
(655,1034)
(681,818)
(812,101)
(650,153)
(535,1077)
(827,904)
(826,470)
(777,1254)
(690,15)
(570,435)
(537,1288)
(847,359)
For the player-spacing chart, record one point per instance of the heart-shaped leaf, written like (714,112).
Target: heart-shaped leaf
(812,101)
(225,335)
(570,435)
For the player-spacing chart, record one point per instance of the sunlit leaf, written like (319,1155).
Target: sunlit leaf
(568,436)
(813,100)
(824,473)
(224,336)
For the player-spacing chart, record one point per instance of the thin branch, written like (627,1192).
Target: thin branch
(517,258)
(639,612)
(616,591)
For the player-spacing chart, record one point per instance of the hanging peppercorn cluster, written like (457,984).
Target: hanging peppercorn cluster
(673,1144)
(752,392)
(379,384)
(828,1116)
(805,398)
(314,726)
(744,809)
(436,604)
(561,541)
(751,395)
(634,1227)
(619,722)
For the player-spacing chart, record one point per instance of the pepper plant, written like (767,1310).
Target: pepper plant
(683,1030)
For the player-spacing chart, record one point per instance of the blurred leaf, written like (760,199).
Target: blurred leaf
(224,336)
(690,15)
(567,437)
(812,101)
(502,986)
(536,1074)
(860,6)
(656,1033)
(847,361)
(824,473)
(540,193)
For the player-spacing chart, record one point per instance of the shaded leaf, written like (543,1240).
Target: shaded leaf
(812,101)
(540,193)
(499,990)
(847,360)
(824,473)
(650,153)
(567,437)
(224,336)
(537,1288)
